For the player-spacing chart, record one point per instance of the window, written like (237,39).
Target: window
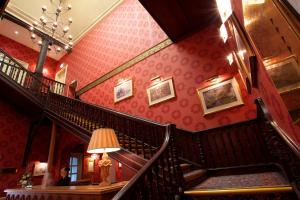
(75,167)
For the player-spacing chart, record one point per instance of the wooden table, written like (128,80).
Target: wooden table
(88,192)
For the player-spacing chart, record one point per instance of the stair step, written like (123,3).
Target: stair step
(235,191)
(193,175)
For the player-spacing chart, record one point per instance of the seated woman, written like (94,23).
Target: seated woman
(65,179)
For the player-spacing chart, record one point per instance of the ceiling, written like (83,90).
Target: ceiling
(85,15)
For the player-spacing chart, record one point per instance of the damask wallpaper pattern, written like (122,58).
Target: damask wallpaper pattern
(27,55)
(128,31)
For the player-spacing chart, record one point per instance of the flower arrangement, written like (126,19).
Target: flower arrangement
(25,181)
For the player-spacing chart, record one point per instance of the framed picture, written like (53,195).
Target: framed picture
(123,91)
(220,96)
(40,168)
(162,91)
(244,54)
(285,74)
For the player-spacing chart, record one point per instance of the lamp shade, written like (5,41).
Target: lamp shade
(103,140)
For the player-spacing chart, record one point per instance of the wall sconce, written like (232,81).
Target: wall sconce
(241,54)
(214,79)
(155,80)
(254,2)
(230,58)
(225,9)
(223,33)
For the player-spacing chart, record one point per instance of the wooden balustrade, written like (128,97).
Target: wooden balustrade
(137,135)
(227,146)
(37,85)
(160,178)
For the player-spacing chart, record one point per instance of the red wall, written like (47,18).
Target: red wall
(14,129)
(27,55)
(270,95)
(128,31)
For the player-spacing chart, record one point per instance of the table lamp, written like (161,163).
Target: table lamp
(104,140)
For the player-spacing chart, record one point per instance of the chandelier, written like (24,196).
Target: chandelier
(55,24)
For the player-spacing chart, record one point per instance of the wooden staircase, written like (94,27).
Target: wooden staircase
(166,167)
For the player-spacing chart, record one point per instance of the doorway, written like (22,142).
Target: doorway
(60,77)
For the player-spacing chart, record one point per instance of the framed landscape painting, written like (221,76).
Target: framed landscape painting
(160,92)
(40,168)
(285,74)
(220,96)
(123,91)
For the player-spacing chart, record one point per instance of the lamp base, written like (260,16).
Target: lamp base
(104,165)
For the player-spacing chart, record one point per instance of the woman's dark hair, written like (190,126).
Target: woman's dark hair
(67,169)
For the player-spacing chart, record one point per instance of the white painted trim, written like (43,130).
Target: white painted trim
(17,12)
(62,70)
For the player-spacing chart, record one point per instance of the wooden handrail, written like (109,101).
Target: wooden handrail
(133,191)
(11,58)
(127,116)
(265,113)
(134,180)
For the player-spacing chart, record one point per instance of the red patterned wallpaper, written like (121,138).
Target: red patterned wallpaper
(14,128)
(27,55)
(129,30)
(123,34)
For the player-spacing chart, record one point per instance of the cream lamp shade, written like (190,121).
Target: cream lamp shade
(103,140)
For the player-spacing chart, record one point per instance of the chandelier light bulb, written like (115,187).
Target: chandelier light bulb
(44,8)
(66,29)
(70,37)
(44,21)
(55,24)
(59,9)
(33,36)
(35,24)
(70,20)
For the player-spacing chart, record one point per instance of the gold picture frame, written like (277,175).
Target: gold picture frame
(123,90)
(220,96)
(161,91)
(244,54)
(285,73)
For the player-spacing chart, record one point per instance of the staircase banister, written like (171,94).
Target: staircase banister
(54,81)
(261,107)
(207,131)
(111,111)
(32,75)
(134,180)
(19,64)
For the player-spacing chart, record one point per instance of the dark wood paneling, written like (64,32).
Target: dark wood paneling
(3,4)
(179,18)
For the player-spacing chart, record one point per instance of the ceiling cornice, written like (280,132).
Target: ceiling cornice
(20,14)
